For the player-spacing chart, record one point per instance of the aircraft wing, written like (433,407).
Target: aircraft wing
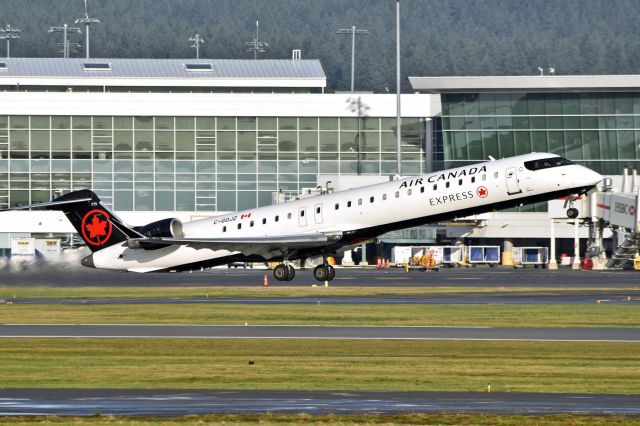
(247,246)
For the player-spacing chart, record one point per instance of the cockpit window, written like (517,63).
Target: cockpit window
(547,163)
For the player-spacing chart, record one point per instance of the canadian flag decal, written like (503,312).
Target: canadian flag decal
(244,216)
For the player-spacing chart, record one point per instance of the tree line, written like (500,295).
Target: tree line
(446,37)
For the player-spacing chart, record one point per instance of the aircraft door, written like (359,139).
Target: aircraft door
(318,213)
(512,181)
(302,216)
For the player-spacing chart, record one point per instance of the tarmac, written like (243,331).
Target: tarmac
(172,402)
(482,276)
(170,331)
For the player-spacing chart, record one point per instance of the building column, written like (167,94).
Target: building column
(363,261)
(576,245)
(347,259)
(507,253)
(552,245)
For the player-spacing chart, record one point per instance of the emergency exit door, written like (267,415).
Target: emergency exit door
(513,186)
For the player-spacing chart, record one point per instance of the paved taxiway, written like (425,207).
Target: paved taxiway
(319,332)
(447,277)
(85,402)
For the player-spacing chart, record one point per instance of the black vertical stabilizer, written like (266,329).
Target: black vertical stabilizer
(97,226)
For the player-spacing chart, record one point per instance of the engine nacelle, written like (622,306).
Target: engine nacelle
(169,228)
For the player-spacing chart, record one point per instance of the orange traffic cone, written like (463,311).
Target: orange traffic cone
(265,281)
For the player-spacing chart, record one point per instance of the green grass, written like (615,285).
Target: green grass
(595,315)
(365,419)
(321,364)
(259,291)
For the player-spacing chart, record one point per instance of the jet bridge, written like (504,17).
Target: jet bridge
(619,211)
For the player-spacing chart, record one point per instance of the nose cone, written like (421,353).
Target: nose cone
(88,262)
(591,177)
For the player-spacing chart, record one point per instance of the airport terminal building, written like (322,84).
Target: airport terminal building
(158,138)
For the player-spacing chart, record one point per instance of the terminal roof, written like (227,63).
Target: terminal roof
(536,83)
(306,72)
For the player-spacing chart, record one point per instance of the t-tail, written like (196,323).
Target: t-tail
(97,226)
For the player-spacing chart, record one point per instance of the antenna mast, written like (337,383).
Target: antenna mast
(197,41)
(256,46)
(87,21)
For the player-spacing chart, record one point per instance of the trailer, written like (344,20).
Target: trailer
(452,255)
(483,255)
(536,256)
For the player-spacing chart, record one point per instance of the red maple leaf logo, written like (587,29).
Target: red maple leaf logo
(97,228)
(482,192)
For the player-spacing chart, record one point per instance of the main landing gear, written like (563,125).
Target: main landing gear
(284,272)
(324,272)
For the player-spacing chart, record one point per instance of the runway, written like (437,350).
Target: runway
(174,402)
(54,275)
(617,297)
(614,335)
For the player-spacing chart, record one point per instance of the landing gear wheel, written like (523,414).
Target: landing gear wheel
(281,272)
(572,213)
(332,273)
(291,272)
(321,273)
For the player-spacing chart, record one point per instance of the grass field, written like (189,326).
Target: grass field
(321,364)
(324,314)
(259,291)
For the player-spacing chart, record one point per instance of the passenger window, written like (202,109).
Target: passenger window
(397,194)
(371,199)
(264,221)
(409,191)
(359,201)
(239,225)
(288,215)
(435,186)
(473,179)
(301,213)
(317,209)
(348,203)
(251,224)
(460,182)
(384,197)
(224,229)
(495,175)
(421,189)
(277,218)
(446,185)
(484,177)
(337,206)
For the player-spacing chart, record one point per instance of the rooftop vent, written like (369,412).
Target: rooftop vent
(198,67)
(96,66)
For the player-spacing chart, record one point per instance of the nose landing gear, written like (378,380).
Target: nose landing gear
(572,212)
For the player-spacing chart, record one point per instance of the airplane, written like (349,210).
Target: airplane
(320,225)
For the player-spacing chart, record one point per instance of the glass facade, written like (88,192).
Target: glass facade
(146,163)
(600,130)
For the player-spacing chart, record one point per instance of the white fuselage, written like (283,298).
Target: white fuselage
(447,194)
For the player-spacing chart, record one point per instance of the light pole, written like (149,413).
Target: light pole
(197,41)
(86,21)
(353,31)
(64,30)
(8,33)
(398,117)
